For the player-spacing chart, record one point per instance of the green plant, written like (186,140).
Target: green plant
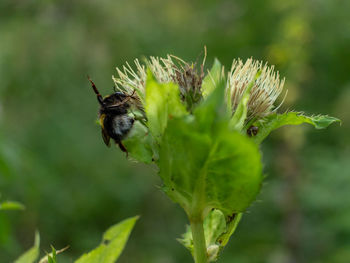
(113,242)
(203,131)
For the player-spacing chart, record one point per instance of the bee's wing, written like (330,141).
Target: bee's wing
(120,103)
(106,137)
(116,105)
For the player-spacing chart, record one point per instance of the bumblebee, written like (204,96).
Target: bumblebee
(114,116)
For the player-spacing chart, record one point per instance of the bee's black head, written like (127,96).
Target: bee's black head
(116,103)
(114,98)
(119,94)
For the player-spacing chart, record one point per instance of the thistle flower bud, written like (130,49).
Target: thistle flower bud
(264,92)
(165,70)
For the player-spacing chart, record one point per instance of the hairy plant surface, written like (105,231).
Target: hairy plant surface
(203,132)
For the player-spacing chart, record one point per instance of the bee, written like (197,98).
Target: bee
(114,116)
(252,131)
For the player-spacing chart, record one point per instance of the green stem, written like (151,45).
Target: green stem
(200,249)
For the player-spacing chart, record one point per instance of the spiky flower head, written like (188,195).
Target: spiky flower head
(165,70)
(264,93)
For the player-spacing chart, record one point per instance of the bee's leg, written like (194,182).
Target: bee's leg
(122,147)
(99,97)
(132,94)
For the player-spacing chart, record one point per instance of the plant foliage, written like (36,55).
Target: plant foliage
(112,245)
(208,163)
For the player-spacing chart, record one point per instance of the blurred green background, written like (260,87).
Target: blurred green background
(53,159)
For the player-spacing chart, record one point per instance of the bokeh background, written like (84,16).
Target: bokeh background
(53,159)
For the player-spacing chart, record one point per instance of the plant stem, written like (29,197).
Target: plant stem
(200,249)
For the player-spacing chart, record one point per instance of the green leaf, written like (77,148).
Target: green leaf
(205,165)
(231,225)
(51,260)
(113,242)
(52,256)
(274,121)
(140,143)
(186,239)
(31,255)
(233,173)
(202,169)
(11,205)
(212,79)
(162,103)
(238,119)
(183,153)
(212,111)
(214,225)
